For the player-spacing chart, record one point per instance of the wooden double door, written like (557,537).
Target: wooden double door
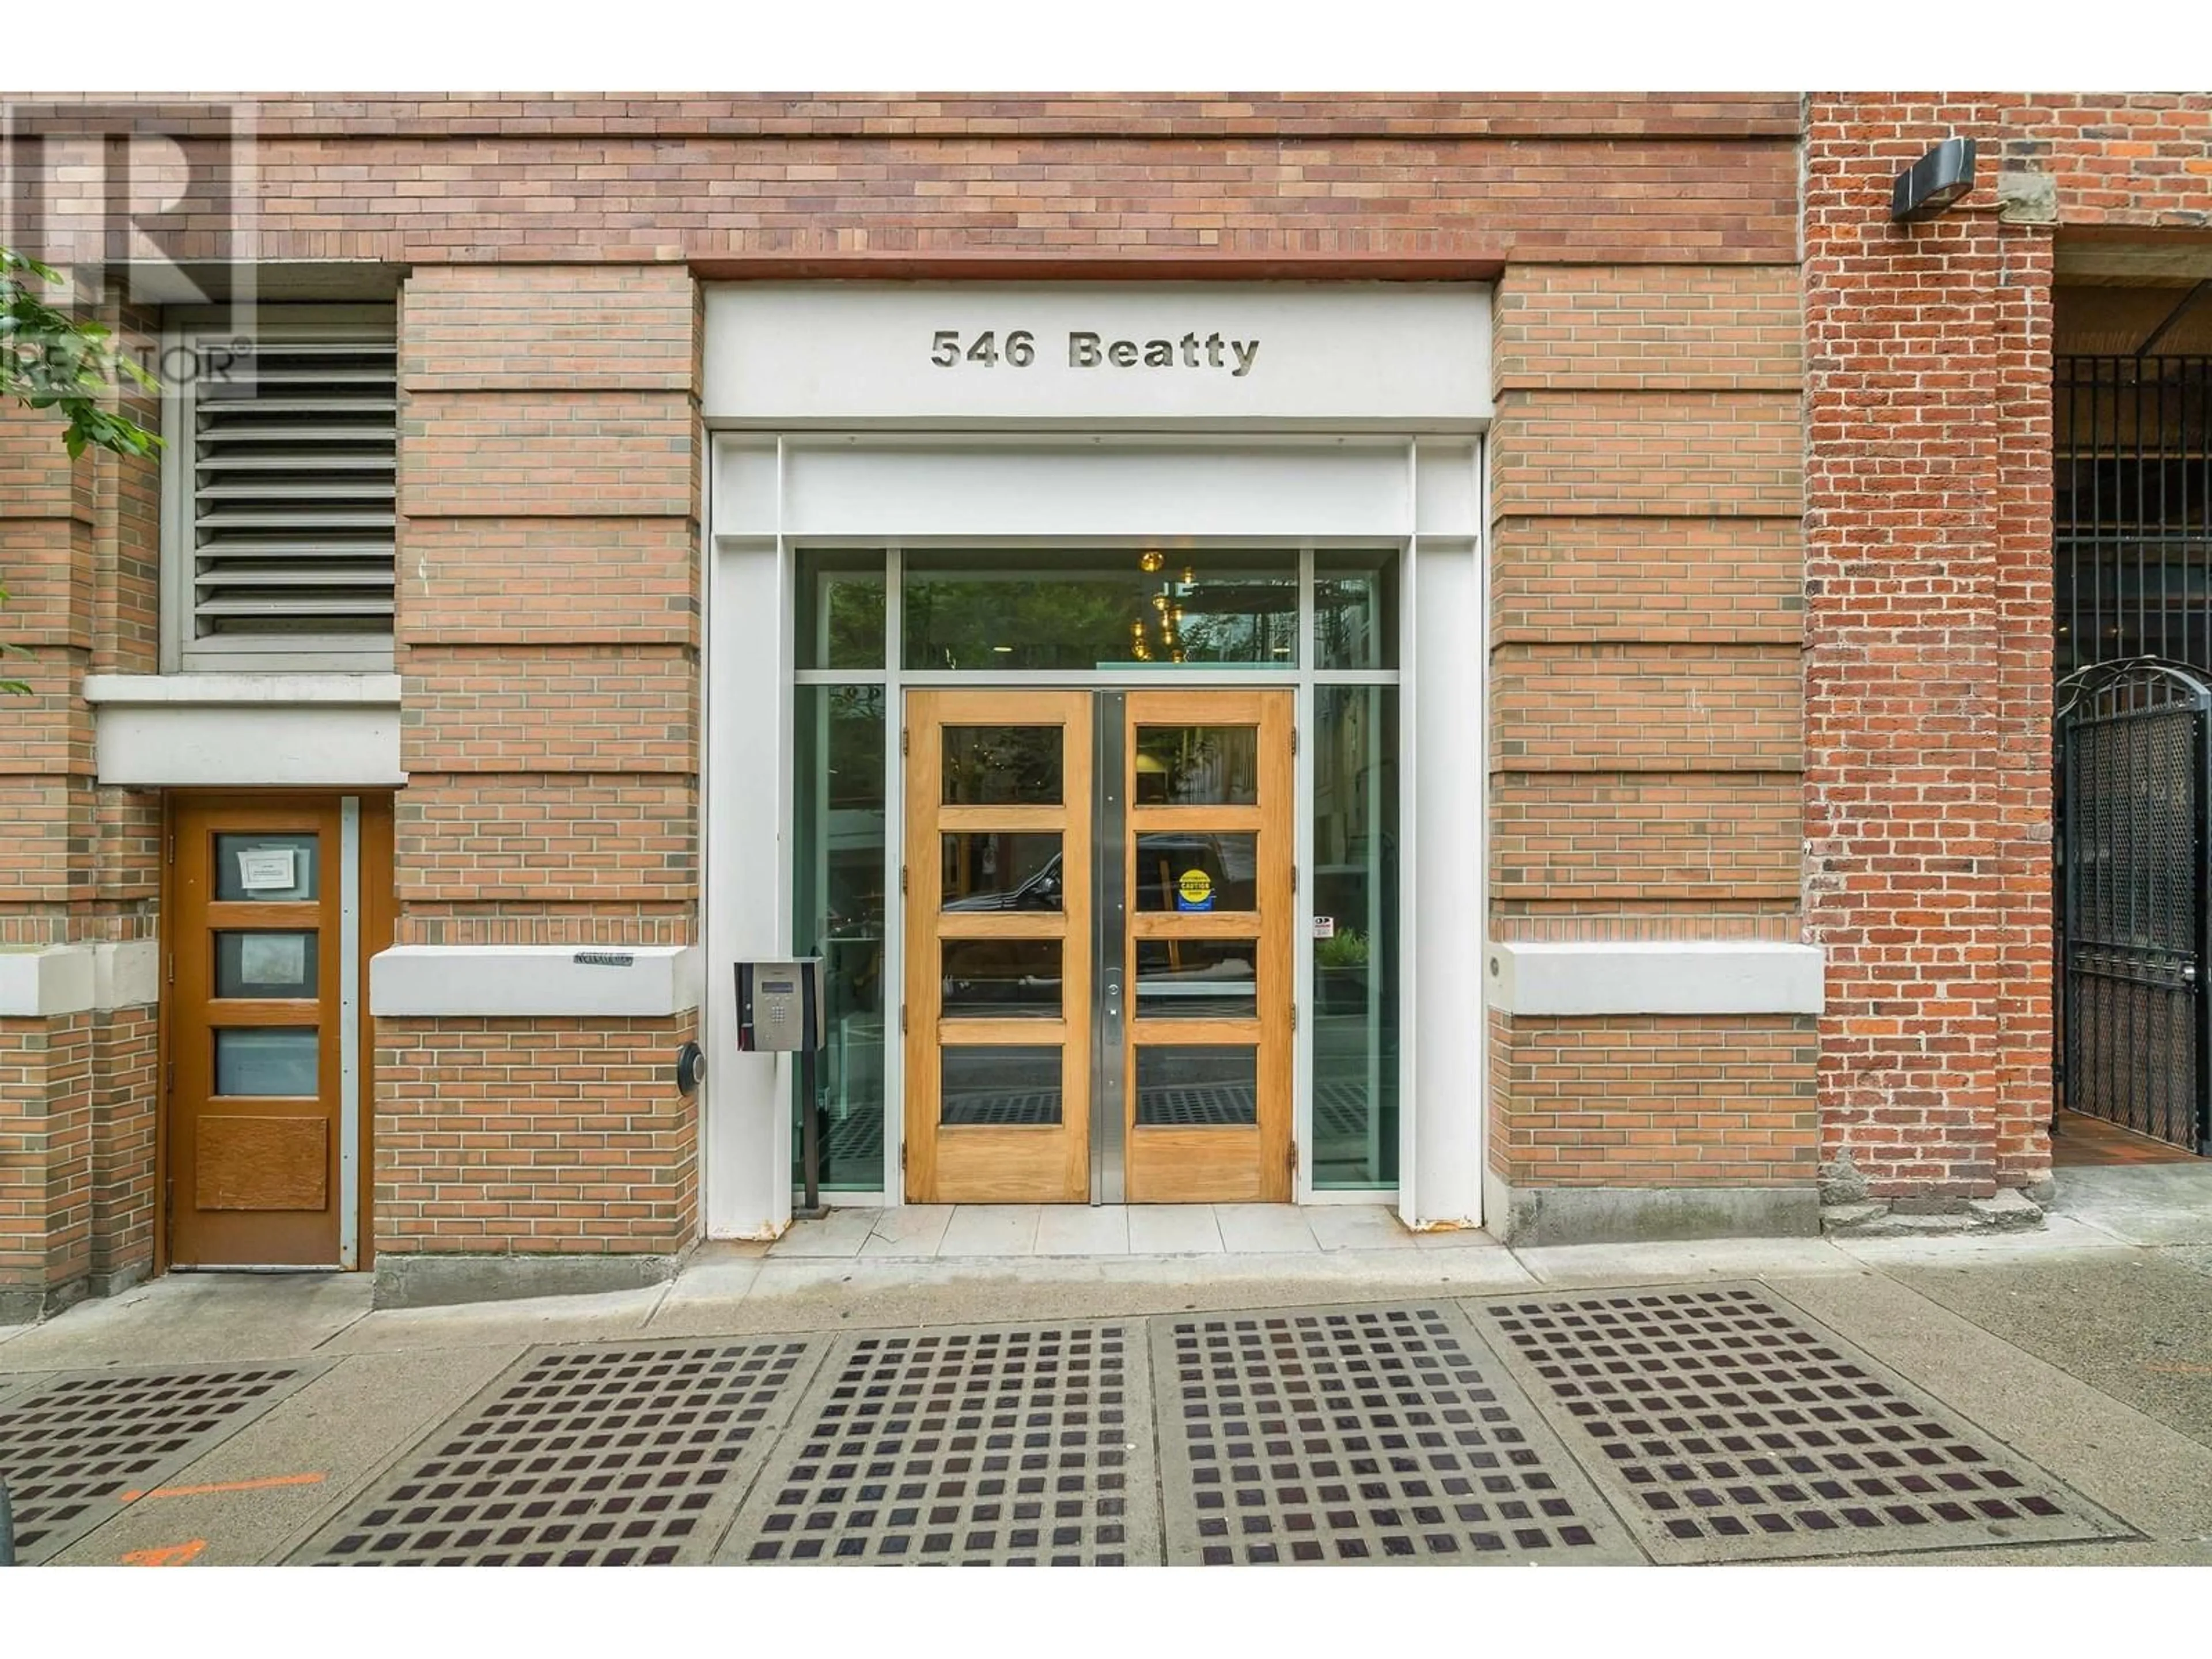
(275,905)
(1098,894)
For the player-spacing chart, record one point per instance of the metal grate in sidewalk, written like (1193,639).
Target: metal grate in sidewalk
(1351,1434)
(1729,1426)
(615,1455)
(1020,1446)
(72,1445)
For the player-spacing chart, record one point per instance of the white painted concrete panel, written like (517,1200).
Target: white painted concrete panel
(245,745)
(1414,356)
(909,491)
(522,981)
(1568,978)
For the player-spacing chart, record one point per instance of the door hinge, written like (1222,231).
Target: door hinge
(902,1157)
(169,1078)
(1294,881)
(1294,1159)
(902,881)
(1294,740)
(901,1019)
(1294,1017)
(172,856)
(903,735)
(172,966)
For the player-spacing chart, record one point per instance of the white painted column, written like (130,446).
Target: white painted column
(1446,817)
(747,1162)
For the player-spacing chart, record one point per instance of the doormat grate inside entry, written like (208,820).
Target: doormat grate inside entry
(610,1455)
(1728,1426)
(1013,1447)
(1364,1434)
(71,1447)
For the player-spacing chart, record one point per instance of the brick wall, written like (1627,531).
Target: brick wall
(548,641)
(1646,469)
(541,1137)
(79,553)
(1653,1100)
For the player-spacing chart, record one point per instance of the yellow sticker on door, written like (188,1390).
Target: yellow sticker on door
(1194,891)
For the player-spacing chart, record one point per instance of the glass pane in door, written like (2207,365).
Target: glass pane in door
(279,869)
(1002,765)
(1000,1087)
(1194,1087)
(1198,765)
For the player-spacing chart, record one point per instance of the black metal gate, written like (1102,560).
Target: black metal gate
(2133,788)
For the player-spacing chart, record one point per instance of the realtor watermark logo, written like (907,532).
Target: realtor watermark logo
(146,203)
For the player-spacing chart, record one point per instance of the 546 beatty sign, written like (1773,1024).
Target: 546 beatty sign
(1091,356)
(1087,348)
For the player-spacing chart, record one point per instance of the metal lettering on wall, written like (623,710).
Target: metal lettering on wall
(950,349)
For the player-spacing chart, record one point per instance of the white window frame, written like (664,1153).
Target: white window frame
(181,651)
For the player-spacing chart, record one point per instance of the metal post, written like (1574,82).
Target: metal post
(809,1136)
(7,1528)
(2201,933)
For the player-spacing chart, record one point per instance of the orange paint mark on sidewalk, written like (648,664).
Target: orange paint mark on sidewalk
(223,1486)
(168,1555)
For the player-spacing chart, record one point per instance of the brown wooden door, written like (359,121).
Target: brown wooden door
(1207,1067)
(255,931)
(998,946)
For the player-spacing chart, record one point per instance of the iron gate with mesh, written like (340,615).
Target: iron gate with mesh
(2133,789)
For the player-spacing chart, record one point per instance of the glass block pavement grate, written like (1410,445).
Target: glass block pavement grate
(632,1453)
(1342,1436)
(1014,1447)
(72,1446)
(1728,1426)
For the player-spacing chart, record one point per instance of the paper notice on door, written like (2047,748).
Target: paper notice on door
(260,869)
(273,958)
(1324,926)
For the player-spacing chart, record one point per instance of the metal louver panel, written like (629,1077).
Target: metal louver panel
(294,490)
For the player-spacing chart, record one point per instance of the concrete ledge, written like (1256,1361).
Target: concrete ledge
(1523,1216)
(44,981)
(1570,978)
(444,1281)
(320,729)
(520,981)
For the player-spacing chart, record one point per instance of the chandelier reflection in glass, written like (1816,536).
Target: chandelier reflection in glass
(1161,638)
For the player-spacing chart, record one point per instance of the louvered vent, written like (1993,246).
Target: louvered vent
(295,492)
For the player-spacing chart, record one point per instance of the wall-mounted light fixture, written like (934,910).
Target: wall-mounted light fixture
(1935,181)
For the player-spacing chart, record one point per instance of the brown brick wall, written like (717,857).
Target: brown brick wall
(125,1191)
(1591,838)
(533,1137)
(45,1162)
(1654,1101)
(79,553)
(721,181)
(1645,746)
(548,641)
(1651,581)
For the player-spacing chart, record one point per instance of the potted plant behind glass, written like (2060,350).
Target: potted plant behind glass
(1340,972)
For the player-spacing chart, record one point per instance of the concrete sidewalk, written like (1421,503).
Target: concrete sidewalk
(2085,1349)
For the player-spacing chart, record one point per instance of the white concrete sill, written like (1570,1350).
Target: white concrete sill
(212,690)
